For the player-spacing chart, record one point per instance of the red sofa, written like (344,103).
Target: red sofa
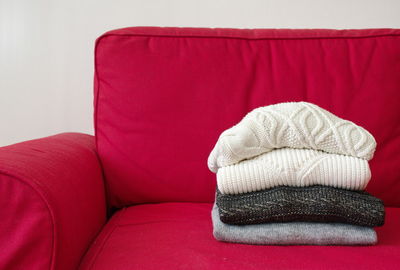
(138,194)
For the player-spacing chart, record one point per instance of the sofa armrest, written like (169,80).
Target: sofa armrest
(52,202)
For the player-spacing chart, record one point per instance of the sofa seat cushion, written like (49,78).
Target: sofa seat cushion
(179,236)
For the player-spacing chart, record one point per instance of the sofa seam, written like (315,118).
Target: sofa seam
(96,104)
(115,226)
(247,38)
(48,207)
(95,122)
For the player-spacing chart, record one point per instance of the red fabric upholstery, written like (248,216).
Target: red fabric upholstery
(179,236)
(163,96)
(52,202)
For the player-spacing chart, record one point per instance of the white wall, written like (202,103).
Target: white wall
(46,46)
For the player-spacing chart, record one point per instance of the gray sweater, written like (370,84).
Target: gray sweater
(293,233)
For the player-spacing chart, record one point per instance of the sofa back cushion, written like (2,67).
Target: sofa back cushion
(163,96)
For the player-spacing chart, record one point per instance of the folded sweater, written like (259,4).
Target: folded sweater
(311,204)
(294,167)
(298,125)
(293,233)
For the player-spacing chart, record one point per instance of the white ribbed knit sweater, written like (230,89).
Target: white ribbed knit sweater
(299,125)
(294,167)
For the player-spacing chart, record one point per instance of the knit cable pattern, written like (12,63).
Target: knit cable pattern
(311,204)
(294,167)
(300,125)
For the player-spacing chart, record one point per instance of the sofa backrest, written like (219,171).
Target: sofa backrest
(163,96)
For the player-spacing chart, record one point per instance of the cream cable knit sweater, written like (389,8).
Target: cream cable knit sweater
(294,167)
(298,125)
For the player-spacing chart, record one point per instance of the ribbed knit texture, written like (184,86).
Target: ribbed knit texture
(298,125)
(311,204)
(294,167)
(293,233)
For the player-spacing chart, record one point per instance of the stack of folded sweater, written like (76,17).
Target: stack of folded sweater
(293,173)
